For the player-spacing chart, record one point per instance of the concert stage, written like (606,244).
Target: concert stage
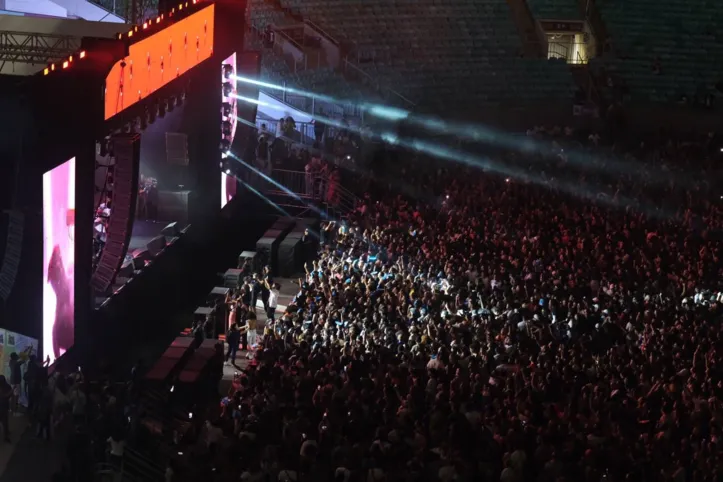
(124,130)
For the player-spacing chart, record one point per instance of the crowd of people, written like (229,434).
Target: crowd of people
(553,316)
(558,324)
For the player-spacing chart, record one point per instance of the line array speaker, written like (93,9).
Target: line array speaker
(13,250)
(125,192)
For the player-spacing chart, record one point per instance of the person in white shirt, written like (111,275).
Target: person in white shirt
(117,445)
(273,302)
(214,435)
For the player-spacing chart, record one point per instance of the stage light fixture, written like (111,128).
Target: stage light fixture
(225,145)
(128,128)
(226,109)
(227,89)
(141,123)
(151,115)
(171,104)
(182,98)
(161,109)
(227,71)
(226,128)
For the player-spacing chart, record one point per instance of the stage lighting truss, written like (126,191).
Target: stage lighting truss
(36,48)
(226,109)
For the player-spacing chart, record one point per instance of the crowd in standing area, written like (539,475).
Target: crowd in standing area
(553,316)
(558,324)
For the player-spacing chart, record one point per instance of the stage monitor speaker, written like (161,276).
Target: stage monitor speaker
(267,247)
(173,205)
(140,257)
(290,253)
(156,245)
(127,269)
(172,230)
(252,260)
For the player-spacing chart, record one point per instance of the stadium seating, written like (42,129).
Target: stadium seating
(685,38)
(468,48)
(555,9)
(265,13)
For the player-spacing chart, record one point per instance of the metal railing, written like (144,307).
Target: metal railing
(567,51)
(313,187)
(308,61)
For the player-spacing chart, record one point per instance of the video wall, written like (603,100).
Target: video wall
(23,346)
(58,260)
(157,60)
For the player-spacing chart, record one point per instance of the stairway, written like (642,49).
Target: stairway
(592,16)
(534,43)
(584,81)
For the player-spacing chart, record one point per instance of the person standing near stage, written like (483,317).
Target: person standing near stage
(251,331)
(6,393)
(266,284)
(255,292)
(152,200)
(231,315)
(273,303)
(16,378)
(233,338)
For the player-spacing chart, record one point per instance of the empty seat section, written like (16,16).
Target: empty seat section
(665,49)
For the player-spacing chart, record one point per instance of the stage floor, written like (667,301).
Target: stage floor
(144,231)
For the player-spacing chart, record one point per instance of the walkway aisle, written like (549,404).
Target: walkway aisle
(30,458)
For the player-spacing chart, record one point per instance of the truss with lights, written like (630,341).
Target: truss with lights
(36,48)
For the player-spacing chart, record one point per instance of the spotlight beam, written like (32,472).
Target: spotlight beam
(264,198)
(274,183)
(460,157)
(477,133)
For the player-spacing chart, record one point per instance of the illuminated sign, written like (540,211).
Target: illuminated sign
(155,61)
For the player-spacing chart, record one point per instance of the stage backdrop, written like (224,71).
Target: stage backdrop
(58,260)
(24,346)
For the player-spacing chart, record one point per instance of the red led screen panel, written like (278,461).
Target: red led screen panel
(155,61)
(58,260)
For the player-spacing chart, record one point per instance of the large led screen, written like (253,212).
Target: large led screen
(228,188)
(229,119)
(156,60)
(58,260)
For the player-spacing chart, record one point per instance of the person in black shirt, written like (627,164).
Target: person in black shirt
(233,338)
(246,294)
(266,284)
(255,291)
(16,378)
(6,393)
